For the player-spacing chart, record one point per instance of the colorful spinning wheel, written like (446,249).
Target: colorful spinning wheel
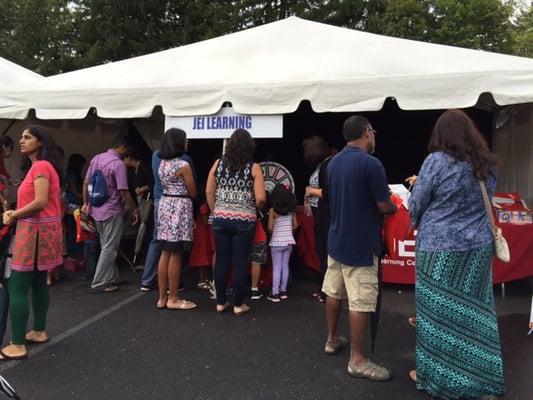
(274,174)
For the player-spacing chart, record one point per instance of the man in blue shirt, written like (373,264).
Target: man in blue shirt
(358,197)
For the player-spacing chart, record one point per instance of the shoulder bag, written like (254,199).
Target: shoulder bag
(501,248)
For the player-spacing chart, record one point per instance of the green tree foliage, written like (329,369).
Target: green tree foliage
(523,33)
(475,24)
(37,34)
(408,19)
(112,30)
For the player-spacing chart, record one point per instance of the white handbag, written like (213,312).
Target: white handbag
(501,248)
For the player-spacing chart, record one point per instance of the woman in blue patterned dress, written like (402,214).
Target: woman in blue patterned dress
(175,217)
(458,351)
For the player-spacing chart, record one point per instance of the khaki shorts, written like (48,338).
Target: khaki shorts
(358,284)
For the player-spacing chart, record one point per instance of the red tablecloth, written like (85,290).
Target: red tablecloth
(305,242)
(399,265)
(520,239)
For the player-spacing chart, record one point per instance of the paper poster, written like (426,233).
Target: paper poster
(400,190)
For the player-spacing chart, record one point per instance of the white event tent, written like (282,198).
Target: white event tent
(272,68)
(14,75)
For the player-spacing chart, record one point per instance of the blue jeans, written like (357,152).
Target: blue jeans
(148,237)
(91,252)
(233,240)
(152,254)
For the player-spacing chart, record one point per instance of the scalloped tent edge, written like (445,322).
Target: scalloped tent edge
(271,69)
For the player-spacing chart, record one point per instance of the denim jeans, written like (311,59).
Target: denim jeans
(233,240)
(152,254)
(148,237)
(91,252)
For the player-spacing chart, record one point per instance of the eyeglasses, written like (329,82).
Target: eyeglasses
(373,131)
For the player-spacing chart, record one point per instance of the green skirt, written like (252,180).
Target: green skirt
(457,340)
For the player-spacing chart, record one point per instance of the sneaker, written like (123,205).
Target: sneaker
(147,288)
(203,285)
(283,295)
(256,294)
(212,292)
(273,298)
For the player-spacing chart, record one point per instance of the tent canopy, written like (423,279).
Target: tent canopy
(14,75)
(270,69)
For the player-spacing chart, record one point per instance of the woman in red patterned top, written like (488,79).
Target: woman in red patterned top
(38,239)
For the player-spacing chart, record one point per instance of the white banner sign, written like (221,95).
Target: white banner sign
(225,122)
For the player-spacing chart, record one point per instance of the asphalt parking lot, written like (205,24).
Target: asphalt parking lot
(119,346)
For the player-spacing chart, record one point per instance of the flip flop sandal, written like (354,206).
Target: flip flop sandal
(32,341)
(183,305)
(222,307)
(332,348)
(5,357)
(238,311)
(369,371)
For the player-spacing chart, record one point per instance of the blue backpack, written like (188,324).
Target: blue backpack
(97,188)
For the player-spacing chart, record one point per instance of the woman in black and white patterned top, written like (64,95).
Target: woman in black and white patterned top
(235,190)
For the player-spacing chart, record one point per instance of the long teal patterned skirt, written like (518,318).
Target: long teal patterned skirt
(458,351)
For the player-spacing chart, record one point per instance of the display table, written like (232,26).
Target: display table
(305,242)
(520,240)
(399,265)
